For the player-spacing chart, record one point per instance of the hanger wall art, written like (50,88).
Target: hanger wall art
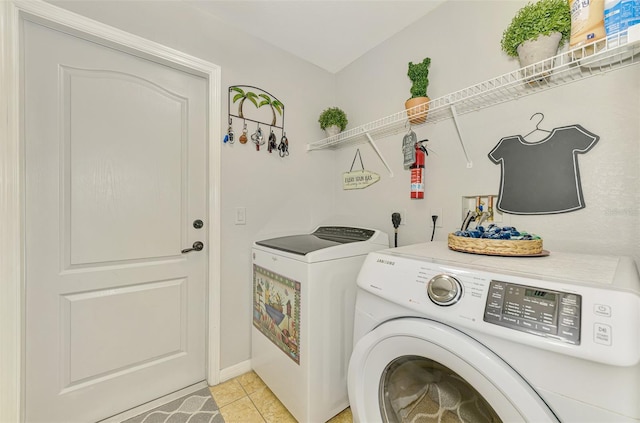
(542,177)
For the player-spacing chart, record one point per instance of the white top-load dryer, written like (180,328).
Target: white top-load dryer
(304,289)
(466,337)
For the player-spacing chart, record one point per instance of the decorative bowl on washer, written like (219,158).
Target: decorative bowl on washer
(497,247)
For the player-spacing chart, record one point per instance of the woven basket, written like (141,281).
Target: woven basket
(497,247)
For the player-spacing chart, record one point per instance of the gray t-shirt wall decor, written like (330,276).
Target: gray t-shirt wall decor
(542,177)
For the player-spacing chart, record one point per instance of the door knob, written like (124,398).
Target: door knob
(197,246)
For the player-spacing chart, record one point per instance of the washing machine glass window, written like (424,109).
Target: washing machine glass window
(432,349)
(414,388)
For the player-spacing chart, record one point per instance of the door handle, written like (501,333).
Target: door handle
(197,246)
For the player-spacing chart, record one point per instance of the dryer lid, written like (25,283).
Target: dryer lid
(322,237)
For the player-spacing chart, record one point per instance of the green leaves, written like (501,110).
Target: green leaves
(242,95)
(275,105)
(543,17)
(253,98)
(419,76)
(333,116)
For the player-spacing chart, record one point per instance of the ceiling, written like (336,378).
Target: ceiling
(328,33)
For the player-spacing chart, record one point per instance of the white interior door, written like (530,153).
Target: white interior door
(116,158)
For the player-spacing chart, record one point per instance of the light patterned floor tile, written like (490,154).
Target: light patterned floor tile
(227,392)
(246,399)
(251,382)
(271,409)
(344,417)
(241,411)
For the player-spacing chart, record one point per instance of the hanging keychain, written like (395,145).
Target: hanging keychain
(243,137)
(283,147)
(229,137)
(257,138)
(232,136)
(272,145)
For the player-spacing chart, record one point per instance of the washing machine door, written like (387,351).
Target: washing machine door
(418,370)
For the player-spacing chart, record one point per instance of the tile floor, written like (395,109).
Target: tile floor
(246,399)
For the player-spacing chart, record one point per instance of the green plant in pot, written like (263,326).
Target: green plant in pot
(333,120)
(537,30)
(418,105)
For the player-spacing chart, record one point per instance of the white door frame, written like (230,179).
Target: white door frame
(12,177)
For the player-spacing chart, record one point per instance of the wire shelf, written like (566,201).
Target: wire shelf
(602,56)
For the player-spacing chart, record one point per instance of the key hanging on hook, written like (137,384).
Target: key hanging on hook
(243,137)
(272,145)
(257,138)
(230,135)
(283,147)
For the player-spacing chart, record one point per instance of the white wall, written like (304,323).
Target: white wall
(289,194)
(463,40)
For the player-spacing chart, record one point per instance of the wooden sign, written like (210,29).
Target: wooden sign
(359,179)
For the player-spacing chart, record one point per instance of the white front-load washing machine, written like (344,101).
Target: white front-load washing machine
(447,336)
(304,289)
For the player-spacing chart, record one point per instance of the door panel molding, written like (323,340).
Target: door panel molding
(12,232)
(97,92)
(164,312)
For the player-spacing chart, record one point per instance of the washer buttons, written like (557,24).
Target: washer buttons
(602,310)
(602,334)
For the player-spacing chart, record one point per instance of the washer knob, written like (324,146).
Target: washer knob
(444,290)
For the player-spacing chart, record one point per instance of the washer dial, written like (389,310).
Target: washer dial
(444,290)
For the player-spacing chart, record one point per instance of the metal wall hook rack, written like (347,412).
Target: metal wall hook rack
(259,98)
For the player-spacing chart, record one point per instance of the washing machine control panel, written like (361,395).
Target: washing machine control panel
(543,312)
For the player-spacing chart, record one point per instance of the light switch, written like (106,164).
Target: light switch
(241,216)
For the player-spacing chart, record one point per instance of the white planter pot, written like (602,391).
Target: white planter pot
(534,51)
(332,130)
(543,47)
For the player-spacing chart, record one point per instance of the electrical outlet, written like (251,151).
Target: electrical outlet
(403,216)
(436,212)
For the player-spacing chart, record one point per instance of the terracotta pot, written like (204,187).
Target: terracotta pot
(417,109)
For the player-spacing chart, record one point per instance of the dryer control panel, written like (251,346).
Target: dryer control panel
(538,311)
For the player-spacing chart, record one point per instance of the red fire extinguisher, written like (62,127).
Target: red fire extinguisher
(417,171)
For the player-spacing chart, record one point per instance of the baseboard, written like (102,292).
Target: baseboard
(235,370)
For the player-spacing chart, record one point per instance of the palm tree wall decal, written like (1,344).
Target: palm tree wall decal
(275,105)
(259,97)
(242,96)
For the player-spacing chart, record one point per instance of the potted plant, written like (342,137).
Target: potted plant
(333,120)
(537,30)
(418,105)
